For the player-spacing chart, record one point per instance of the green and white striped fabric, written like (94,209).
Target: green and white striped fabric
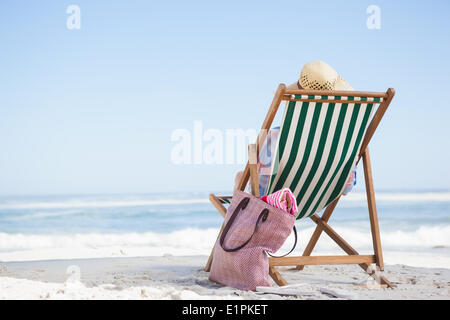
(318,146)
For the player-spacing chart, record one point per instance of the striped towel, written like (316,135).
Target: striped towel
(283,199)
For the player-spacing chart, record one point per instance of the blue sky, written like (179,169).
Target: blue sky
(92,110)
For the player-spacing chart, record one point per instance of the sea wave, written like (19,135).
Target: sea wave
(403,196)
(111,203)
(41,215)
(424,237)
(98,204)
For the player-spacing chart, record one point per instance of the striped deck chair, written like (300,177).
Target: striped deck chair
(323,135)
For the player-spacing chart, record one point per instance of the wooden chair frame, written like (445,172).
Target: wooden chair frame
(352,257)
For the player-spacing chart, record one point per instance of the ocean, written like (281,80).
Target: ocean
(415,226)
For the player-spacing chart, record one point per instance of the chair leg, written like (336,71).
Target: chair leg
(222,210)
(375,229)
(318,231)
(211,255)
(347,248)
(276,276)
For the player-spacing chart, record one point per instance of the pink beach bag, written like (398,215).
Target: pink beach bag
(252,228)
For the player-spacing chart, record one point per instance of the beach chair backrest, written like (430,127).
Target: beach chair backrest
(319,144)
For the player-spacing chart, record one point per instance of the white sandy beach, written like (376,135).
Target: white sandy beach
(182,277)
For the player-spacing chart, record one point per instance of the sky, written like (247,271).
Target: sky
(93,110)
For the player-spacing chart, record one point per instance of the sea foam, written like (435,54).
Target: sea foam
(198,240)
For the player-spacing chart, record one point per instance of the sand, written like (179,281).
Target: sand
(182,277)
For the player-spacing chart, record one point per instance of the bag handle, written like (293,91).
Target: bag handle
(262,216)
(292,249)
(241,206)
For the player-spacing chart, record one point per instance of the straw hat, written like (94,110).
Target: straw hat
(318,75)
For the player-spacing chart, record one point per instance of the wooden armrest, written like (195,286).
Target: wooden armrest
(222,199)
